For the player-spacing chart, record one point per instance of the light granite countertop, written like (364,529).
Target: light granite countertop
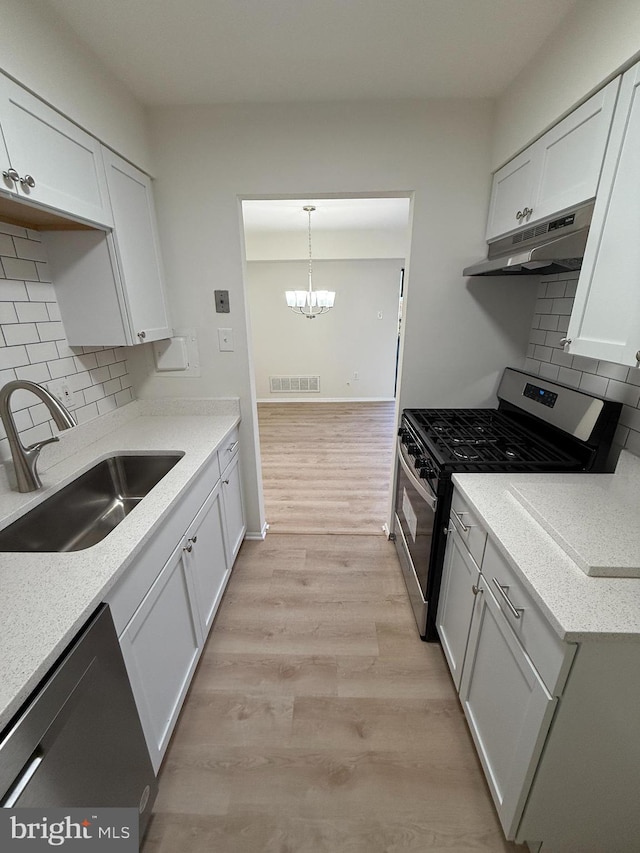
(579,607)
(46,598)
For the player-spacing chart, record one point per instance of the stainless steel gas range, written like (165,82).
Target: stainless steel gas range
(538,426)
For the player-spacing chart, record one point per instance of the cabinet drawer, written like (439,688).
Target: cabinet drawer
(229,448)
(548,653)
(468,526)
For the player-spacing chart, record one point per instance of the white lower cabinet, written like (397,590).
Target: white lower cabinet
(164,609)
(205,557)
(507,707)
(554,723)
(161,646)
(455,606)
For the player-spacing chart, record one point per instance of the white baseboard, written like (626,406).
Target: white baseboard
(308,399)
(257,536)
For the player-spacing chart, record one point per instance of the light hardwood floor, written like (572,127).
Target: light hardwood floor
(326,467)
(318,721)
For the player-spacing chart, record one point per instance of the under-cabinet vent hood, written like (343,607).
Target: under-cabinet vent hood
(554,245)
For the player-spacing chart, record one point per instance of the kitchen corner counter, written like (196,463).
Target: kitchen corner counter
(580,607)
(47,597)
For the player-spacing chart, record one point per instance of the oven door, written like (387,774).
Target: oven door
(415,515)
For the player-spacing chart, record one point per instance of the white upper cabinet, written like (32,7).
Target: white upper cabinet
(558,171)
(605,322)
(110,287)
(49,161)
(137,249)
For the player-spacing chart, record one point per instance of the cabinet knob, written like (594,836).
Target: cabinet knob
(638,355)
(142,335)
(11,175)
(190,543)
(28,181)
(565,341)
(527,212)
(519,215)
(226,482)
(476,589)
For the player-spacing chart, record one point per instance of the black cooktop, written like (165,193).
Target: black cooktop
(483,439)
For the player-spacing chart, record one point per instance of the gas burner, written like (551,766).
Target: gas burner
(512,453)
(474,442)
(467,455)
(439,427)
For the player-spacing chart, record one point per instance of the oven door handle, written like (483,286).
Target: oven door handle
(422,488)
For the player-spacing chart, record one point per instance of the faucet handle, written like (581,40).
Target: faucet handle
(37,447)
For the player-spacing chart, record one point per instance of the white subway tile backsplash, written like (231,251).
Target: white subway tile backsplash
(13,291)
(20,333)
(549,322)
(12,356)
(6,246)
(33,344)
(29,249)
(40,291)
(569,377)
(34,372)
(613,381)
(587,365)
(549,371)
(17,268)
(613,371)
(31,312)
(562,306)
(50,331)
(537,336)
(556,289)
(594,384)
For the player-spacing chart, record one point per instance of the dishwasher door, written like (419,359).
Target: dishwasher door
(78,741)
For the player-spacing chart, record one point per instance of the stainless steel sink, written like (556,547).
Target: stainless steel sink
(89,508)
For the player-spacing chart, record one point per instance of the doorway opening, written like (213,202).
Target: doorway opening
(326,387)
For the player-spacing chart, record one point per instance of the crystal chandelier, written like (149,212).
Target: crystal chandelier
(310,303)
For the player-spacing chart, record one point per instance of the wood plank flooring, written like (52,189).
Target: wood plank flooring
(318,721)
(326,467)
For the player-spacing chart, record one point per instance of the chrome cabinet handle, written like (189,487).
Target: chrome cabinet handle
(28,181)
(11,175)
(458,517)
(23,781)
(503,590)
(190,543)
(232,447)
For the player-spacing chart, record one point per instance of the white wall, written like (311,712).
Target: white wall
(458,336)
(349,243)
(45,56)
(593,42)
(349,339)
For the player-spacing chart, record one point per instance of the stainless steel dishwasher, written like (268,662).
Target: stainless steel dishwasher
(78,741)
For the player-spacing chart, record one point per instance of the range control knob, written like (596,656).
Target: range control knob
(413,449)
(426,472)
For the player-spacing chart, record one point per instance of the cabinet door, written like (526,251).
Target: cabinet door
(460,576)
(137,249)
(507,707)
(206,559)
(571,155)
(233,508)
(512,192)
(160,646)
(62,160)
(605,322)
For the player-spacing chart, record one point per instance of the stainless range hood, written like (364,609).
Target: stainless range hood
(553,245)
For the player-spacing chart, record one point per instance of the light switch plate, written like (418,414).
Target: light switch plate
(225,340)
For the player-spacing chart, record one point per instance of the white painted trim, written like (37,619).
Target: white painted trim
(314,399)
(257,536)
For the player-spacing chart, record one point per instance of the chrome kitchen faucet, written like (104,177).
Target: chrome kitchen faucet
(25,459)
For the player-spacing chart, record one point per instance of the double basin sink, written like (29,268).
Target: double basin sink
(86,510)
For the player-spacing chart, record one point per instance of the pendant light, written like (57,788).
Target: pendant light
(310,303)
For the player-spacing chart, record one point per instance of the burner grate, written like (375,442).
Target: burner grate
(470,439)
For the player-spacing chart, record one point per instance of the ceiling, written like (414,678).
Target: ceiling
(230,51)
(336,214)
